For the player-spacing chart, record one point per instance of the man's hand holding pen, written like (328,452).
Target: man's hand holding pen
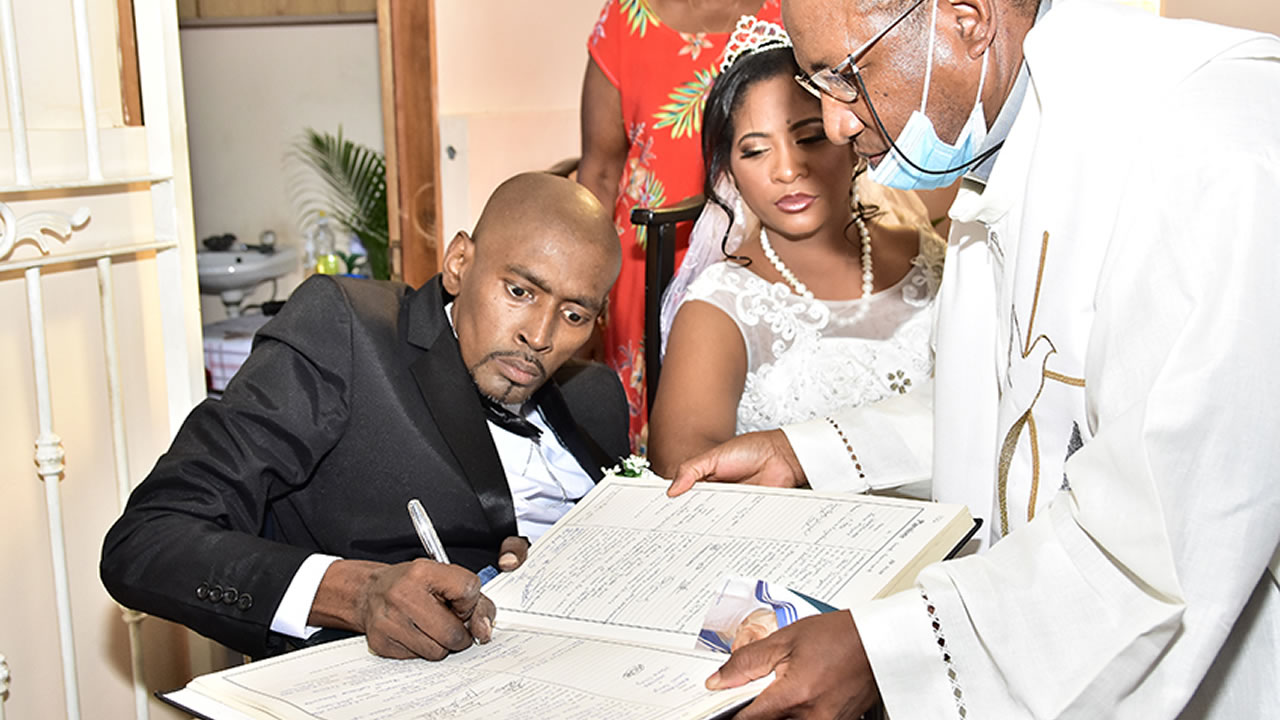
(426,609)
(422,608)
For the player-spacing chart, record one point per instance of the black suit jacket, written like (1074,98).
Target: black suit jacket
(354,400)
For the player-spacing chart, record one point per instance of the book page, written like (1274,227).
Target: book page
(630,563)
(519,675)
(203,706)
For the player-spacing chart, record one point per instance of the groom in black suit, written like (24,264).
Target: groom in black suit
(280,508)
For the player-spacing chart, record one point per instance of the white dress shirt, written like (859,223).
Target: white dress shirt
(545,478)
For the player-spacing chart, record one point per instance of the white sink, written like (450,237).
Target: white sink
(232,274)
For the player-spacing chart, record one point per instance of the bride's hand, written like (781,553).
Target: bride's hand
(758,458)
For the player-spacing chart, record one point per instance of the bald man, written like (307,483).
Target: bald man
(278,516)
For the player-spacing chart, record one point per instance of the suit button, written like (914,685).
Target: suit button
(215,593)
(229,596)
(245,602)
(202,592)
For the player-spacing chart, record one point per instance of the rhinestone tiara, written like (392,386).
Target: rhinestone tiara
(752,35)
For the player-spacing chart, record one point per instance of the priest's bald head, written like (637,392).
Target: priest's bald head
(530,282)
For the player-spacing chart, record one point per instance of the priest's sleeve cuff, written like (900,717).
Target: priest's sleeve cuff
(907,657)
(881,445)
(829,461)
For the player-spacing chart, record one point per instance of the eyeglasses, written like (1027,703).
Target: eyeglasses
(841,81)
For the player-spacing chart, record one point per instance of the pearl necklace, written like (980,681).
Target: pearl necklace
(868,276)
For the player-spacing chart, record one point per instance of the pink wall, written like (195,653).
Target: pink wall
(510,79)
(1261,15)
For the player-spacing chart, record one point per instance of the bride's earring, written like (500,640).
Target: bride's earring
(746,219)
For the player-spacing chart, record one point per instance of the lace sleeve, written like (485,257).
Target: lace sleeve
(933,249)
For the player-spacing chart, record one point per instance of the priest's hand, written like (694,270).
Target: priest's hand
(512,553)
(420,608)
(756,458)
(821,671)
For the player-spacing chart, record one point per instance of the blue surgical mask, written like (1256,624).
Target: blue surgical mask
(919,142)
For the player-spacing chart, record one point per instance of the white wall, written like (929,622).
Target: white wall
(250,92)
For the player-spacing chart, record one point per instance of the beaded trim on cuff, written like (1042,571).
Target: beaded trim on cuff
(956,690)
(848,446)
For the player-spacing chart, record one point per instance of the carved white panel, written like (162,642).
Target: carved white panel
(37,227)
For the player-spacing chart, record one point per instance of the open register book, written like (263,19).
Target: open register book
(602,619)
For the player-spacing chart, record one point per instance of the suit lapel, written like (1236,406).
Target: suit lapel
(586,451)
(452,399)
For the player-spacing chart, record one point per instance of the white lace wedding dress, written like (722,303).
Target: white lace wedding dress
(807,358)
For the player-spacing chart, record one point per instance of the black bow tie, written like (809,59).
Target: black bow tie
(509,421)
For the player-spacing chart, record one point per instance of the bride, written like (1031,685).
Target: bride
(801,293)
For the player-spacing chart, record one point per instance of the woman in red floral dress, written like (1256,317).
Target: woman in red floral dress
(652,63)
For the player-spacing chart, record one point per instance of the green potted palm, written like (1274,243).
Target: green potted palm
(347,182)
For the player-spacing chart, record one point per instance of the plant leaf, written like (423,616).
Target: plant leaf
(354,190)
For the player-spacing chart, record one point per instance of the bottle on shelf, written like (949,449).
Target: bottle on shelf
(326,252)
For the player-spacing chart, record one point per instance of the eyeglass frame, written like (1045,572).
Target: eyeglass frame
(841,81)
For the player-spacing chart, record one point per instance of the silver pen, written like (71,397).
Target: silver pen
(427,532)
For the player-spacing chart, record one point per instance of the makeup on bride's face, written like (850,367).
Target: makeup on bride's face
(788,173)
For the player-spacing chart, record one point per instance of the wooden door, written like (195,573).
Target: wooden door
(407,47)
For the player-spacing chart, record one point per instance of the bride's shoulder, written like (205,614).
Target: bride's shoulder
(726,274)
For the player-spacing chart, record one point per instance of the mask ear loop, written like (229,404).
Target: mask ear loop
(928,67)
(982,78)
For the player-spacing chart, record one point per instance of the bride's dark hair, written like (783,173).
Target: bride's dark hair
(723,101)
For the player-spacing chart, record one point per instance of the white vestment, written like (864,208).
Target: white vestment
(1110,298)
